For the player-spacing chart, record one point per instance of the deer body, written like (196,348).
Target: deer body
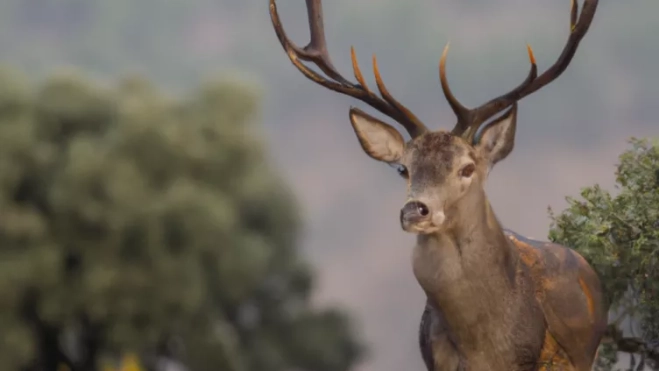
(488,310)
(495,301)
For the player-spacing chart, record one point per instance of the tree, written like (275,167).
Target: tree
(132,222)
(619,235)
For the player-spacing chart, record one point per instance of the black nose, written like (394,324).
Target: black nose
(413,211)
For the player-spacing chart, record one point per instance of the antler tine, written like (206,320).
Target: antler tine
(417,124)
(470,120)
(460,110)
(578,29)
(494,106)
(574,11)
(316,52)
(317,47)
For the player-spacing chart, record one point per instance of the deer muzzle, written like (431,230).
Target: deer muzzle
(417,217)
(414,212)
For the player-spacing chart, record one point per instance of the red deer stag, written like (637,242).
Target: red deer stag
(495,301)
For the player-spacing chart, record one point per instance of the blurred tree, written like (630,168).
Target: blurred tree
(130,222)
(619,235)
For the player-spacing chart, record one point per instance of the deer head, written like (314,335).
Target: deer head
(443,169)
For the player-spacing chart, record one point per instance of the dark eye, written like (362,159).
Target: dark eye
(467,170)
(402,171)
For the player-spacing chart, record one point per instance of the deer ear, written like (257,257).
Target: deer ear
(498,137)
(379,140)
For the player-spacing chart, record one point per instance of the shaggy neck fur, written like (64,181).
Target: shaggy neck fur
(469,274)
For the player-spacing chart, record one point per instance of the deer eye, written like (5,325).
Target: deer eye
(467,170)
(402,171)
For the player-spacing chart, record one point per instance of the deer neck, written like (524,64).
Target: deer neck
(468,271)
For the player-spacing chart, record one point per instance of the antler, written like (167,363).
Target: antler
(316,53)
(470,120)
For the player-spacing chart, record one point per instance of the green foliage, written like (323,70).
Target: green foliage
(619,234)
(607,357)
(154,217)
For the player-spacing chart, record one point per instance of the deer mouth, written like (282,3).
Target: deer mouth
(421,227)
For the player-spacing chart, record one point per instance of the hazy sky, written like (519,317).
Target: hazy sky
(569,133)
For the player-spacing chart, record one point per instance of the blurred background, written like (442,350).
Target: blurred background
(175,194)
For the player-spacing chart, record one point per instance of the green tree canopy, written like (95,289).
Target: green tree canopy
(130,221)
(619,235)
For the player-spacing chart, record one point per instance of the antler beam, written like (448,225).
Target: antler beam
(316,52)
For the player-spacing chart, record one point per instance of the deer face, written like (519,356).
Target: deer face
(441,169)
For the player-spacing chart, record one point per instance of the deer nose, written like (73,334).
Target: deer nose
(414,211)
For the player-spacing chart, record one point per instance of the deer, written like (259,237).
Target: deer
(495,300)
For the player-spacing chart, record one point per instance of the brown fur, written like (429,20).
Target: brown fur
(496,301)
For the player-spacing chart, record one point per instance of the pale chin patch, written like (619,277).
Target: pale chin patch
(438,218)
(425,227)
